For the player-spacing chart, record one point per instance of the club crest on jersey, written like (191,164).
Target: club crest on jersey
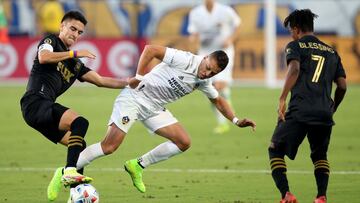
(181,77)
(196,86)
(47,41)
(288,51)
(125,120)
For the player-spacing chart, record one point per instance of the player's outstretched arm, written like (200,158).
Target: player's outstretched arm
(46,56)
(223,106)
(100,81)
(149,53)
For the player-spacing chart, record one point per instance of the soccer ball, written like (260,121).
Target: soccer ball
(84,193)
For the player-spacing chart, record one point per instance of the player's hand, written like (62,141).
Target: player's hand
(85,53)
(133,82)
(245,123)
(281,110)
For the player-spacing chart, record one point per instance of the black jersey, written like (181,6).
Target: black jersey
(52,79)
(320,65)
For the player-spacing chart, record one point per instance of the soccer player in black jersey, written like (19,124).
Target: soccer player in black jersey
(55,69)
(313,66)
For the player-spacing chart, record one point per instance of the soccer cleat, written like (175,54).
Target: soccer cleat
(54,186)
(135,171)
(221,128)
(289,198)
(71,176)
(321,199)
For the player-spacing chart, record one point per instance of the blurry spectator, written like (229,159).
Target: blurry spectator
(21,21)
(50,14)
(215,26)
(3,26)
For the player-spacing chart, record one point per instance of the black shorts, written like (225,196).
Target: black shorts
(289,135)
(43,115)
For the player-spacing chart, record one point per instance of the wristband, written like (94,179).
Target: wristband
(75,54)
(235,120)
(139,77)
(71,54)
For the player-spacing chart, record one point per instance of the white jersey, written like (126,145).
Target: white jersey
(172,79)
(213,28)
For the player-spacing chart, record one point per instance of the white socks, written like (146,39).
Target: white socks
(89,154)
(159,153)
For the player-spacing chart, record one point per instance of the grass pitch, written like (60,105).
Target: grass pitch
(232,167)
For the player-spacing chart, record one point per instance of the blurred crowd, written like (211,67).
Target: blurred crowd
(139,18)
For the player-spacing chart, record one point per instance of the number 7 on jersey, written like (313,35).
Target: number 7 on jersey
(320,63)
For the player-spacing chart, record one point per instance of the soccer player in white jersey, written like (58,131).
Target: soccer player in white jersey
(179,74)
(215,27)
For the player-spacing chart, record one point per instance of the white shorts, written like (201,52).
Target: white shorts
(127,110)
(226,74)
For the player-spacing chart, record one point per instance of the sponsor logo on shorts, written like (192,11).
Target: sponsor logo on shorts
(125,120)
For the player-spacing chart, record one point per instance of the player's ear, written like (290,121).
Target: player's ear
(62,26)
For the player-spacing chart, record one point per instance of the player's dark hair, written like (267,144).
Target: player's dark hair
(77,15)
(302,19)
(221,58)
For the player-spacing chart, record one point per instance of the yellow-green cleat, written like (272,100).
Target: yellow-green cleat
(71,176)
(54,186)
(135,171)
(221,128)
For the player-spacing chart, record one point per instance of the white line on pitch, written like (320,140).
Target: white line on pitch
(29,169)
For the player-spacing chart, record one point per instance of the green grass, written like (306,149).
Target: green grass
(28,159)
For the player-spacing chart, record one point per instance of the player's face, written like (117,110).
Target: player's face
(70,31)
(208,68)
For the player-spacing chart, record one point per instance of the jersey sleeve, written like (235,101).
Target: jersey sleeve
(83,70)
(208,89)
(340,71)
(192,24)
(236,20)
(292,52)
(176,58)
(47,43)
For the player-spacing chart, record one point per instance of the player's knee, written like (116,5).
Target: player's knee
(79,126)
(274,151)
